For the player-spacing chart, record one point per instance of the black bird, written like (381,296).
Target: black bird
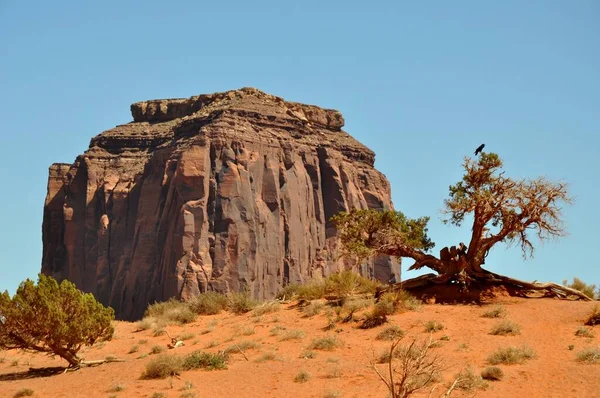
(479,149)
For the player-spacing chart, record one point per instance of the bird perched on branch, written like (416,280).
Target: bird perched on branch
(479,149)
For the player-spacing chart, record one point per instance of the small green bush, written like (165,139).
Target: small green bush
(589,355)
(381,310)
(390,333)
(493,373)
(163,366)
(204,360)
(511,355)
(578,284)
(497,312)
(23,392)
(506,328)
(208,303)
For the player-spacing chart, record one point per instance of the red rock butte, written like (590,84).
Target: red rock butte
(227,191)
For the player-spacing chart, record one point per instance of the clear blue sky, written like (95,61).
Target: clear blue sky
(421,83)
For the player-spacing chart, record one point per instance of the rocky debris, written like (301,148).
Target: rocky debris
(227,191)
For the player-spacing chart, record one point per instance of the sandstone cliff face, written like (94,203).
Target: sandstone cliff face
(223,192)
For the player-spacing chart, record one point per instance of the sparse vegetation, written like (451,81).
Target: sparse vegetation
(378,316)
(268,356)
(204,360)
(390,333)
(506,328)
(117,388)
(23,392)
(186,336)
(492,373)
(302,377)
(266,308)
(468,380)
(308,354)
(334,373)
(170,312)
(594,316)
(496,312)
(433,326)
(243,346)
(157,349)
(327,343)
(163,366)
(294,334)
(208,303)
(133,349)
(584,332)
(511,355)
(276,330)
(589,355)
(313,308)
(578,284)
(416,368)
(71,319)
(341,285)
(241,302)
(158,395)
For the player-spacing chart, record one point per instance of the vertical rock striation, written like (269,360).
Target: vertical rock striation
(223,192)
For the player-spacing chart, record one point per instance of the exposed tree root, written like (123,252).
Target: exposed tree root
(85,364)
(487,279)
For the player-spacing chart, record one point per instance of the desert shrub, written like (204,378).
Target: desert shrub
(493,373)
(186,336)
(276,330)
(346,283)
(578,284)
(208,303)
(266,308)
(381,310)
(496,312)
(404,301)
(241,302)
(117,388)
(268,356)
(163,366)
(511,355)
(410,368)
(157,349)
(205,360)
(292,335)
(171,312)
(433,326)
(308,355)
(584,332)
(327,343)
(302,377)
(594,317)
(390,333)
(53,318)
(468,380)
(23,392)
(313,308)
(159,332)
(505,328)
(133,349)
(242,346)
(589,355)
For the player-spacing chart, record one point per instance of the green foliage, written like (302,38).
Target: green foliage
(341,284)
(578,284)
(241,302)
(53,318)
(361,231)
(205,360)
(163,366)
(266,308)
(511,355)
(208,303)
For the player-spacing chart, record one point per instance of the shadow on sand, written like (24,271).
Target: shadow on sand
(33,373)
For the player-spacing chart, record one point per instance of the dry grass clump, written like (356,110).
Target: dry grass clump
(204,360)
(506,328)
(171,312)
(163,366)
(313,308)
(493,373)
(241,302)
(433,326)
(302,377)
(23,392)
(269,356)
(117,388)
(582,331)
(266,308)
(589,355)
(341,285)
(208,303)
(242,346)
(496,312)
(594,317)
(157,349)
(390,333)
(295,334)
(327,343)
(378,316)
(511,355)
(468,380)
